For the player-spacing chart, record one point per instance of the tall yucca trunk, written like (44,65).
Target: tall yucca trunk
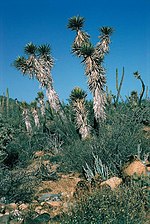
(99,102)
(27,120)
(36,117)
(81,119)
(102,47)
(53,98)
(96,83)
(39,69)
(42,107)
(81,38)
(47,82)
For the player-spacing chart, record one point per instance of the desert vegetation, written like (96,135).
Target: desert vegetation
(84,161)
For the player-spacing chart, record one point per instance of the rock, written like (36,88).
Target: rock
(54,203)
(49,197)
(23,206)
(136,167)
(42,203)
(38,209)
(148,167)
(43,211)
(113,182)
(39,153)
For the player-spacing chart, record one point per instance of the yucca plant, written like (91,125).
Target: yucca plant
(96,79)
(92,59)
(25,114)
(34,111)
(38,64)
(40,100)
(21,64)
(99,170)
(76,23)
(103,46)
(77,99)
(133,99)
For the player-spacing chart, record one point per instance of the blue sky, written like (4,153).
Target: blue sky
(23,21)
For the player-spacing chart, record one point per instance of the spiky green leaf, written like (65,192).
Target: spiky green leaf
(30,49)
(106,30)
(76,23)
(77,93)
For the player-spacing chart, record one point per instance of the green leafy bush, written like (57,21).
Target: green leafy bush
(6,133)
(126,205)
(116,140)
(17,185)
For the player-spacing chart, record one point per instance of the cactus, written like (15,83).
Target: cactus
(117,79)
(109,96)
(118,87)
(147,92)
(7,101)
(3,103)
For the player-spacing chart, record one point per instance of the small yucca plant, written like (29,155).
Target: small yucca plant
(34,110)
(77,99)
(40,100)
(26,117)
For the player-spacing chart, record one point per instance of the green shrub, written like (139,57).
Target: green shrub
(116,140)
(17,185)
(6,133)
(126,205)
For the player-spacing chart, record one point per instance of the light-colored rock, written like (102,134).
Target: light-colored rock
(38,209)
(136,167)
(23,206)
(113,182)
(50,197)
(43,211)
(54,203)
(42,203)
(39,153)
(147,163)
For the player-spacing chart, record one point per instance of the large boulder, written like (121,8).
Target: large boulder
(136,167)
(113,182)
